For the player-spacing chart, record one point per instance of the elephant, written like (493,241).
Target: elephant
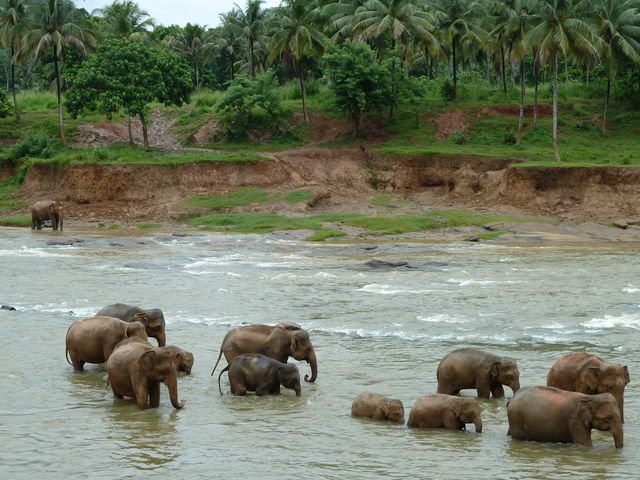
(254,372)
(275,342)
(46,210)
(183,359)
(549,414)
(586,373)
(473,368)
(445,411)
(153,319)
(136,370)
(376,406)
(92,340)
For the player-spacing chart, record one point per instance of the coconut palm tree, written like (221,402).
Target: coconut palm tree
(559,29)
(618,25)
(195,43)
(228,40)
(12,29)
(249,24)
(56,25)
(296,33)
(127,20)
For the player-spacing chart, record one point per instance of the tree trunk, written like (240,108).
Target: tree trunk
(232,67)
(587,75)
(59,92)
(302,93)
(429,64)
(130,131)
(504,70)
(145,137)
(455,75)
(197,69)
(253,68)
(606,103)
(535,96)
(13,84)
(522,92)
(556,151)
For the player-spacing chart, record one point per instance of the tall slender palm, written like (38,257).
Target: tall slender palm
(559,29)
(338,17)
(12,29)
(195,42)
(228,40)
(295,32)
(57,24)
(457,23)
(619,28)
(127,20)
(249,24)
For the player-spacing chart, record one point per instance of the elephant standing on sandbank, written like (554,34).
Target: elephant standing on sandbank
(277,342)
(46,210)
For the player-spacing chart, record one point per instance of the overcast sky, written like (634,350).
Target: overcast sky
(181,12)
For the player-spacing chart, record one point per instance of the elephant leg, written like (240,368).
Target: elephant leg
(447,389)
(39,225)
(154,395)
(451,422)
(116,394)
(237,388)
(483,388)
(78,365)
(267,387)
(497,391)
(142,394)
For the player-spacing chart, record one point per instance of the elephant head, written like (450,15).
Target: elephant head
(467,410)
(135,329)
(301,349)
(289,376)
(608,377)
(392,410)
(183,359)
(602,413)
(506,373)
(159,366)
(153,321)
(54,211)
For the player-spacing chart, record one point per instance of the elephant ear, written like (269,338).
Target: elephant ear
(141,317)
(294,343)
(592,378)
(148,362)
(457,408)
(495,368)
(384,409)
(585,412)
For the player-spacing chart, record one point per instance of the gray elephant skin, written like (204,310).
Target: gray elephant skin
(548,414)
(46,210)
(277,342)
(473,368)
(378,407)
(253,372)
(445,411)
(152,319)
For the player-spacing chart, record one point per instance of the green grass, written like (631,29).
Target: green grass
(239,197)
(381,200)
(8,196)
(491,235)
(16,221)
(299,196)
(148,225)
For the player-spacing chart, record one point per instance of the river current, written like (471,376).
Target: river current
(374,330)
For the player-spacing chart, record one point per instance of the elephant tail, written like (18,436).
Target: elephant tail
(225,369)
(66,354)
(217,362)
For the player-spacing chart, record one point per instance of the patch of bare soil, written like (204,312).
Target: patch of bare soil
(325,129)
(448,123)
(543,110)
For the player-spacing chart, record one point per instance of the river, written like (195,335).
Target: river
(374,330)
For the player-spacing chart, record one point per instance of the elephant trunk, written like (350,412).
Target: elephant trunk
(298,391)
(172,385)
(515,386)
(478,424)
(620,401)
(314,367)
(162,338)
(618,435)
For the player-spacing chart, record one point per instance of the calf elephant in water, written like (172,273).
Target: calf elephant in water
(277,342)
(586,373)
(153,319)
(473,368)
(445,411)
(252,372)
(378,407)
(46,210)
(92,340)
(137,369)
(548,414)
(183,359)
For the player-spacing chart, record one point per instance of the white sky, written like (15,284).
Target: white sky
(181,12)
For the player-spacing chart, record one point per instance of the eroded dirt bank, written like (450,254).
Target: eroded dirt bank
(346,179)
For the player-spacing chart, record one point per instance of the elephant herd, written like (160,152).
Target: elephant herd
(583,391)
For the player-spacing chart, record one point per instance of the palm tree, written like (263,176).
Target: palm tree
(228,40)
(57,24)
(458,27)
(619,28)
(296,33)
(12,29)
(249,24)
(560,30)
(127,20)
(194,43)
(338,17)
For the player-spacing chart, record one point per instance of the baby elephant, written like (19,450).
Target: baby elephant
(548,414)
(376,406)
(183,359)
(254,372)
(473,368)
(445,411)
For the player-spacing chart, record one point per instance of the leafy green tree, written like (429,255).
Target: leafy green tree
(249,24)
(296,33)
(559,29)
(125,19)
(359,82)
(129,75)
(194,43)
(56,25)
(228,41)
(12,28)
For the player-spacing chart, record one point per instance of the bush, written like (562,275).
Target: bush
(458,138)
(510,137)
(447,91)
(34,145)
(5,107)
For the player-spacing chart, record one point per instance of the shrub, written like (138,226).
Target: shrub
(447,91)
(458,137)
(34,145)
(5,107)
(510,137)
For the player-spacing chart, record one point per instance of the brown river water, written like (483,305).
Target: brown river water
(374,330)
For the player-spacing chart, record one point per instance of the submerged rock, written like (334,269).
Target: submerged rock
(8,307)
(64,241)
(385,264)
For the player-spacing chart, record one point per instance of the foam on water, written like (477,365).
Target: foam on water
(31,252)
(628,320)
(631,289)
(388,290)
(440,318)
